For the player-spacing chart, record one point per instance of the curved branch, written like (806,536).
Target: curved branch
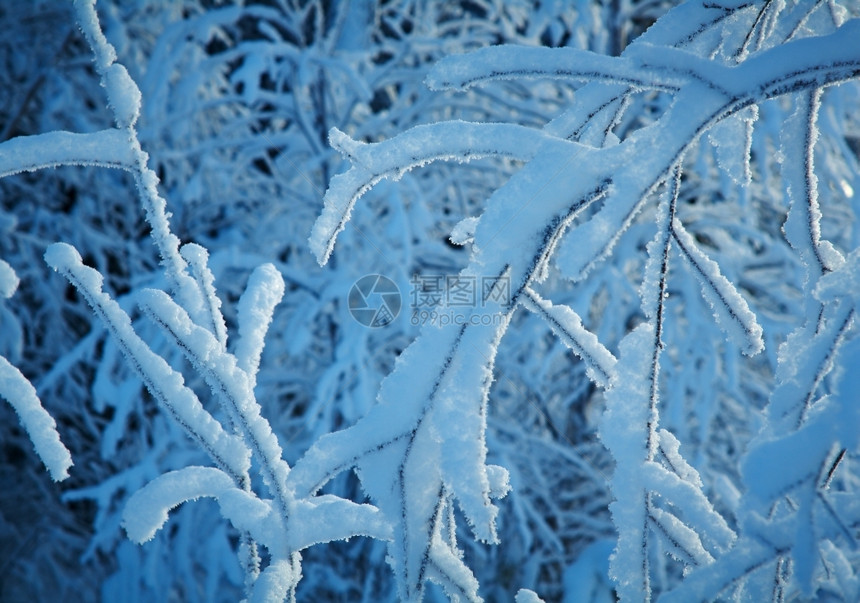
(453,140)
(166,385)
(528,62)
(107,148)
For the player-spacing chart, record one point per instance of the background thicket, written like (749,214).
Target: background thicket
(238,105)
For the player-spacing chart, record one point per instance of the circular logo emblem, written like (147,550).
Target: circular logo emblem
(374,300)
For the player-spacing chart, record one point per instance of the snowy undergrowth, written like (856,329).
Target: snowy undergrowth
(717,345)
(586,185)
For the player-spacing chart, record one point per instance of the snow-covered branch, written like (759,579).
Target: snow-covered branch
(730,309)
(522,62)
(567,325)
(38,424)
(630,235)
(166,385)
(108,148)
(229,383)
(124,98)
(456,140)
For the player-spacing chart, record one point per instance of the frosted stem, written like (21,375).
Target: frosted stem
(165,384)
(124,100)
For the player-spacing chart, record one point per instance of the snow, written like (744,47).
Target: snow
(147,510)
(275,582)
(107,148)
(581,198)
(775,467)
(425,437)
(165,384)
(456,140)
(802,226)
(622,431)
(464,232)
(456,414)
(670,448)
(681,542)
(388,422)
(450,571)
(35,420)
(8,280)
(326,518)
(525,595)
(817,59)
(688,500)
(732,139)
(198,261)
(730,309)
(88,21)
(845,574)
(499,480)
(653,288)
(700,586)
(804,360)
(124,98)
(524,62)
(228,382)
(842,282)
(636,168)
(567,325)
(123,95)
(264,290)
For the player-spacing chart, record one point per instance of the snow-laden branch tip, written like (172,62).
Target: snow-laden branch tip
(447,569)
(681,542)
(147,510)
(317,520)
(730,308)
(670,451)
(166,385)
(567,325)
(327,518)
(463,232)
(198,261)
(454,140)
(88,21)
(688,500)
(525,595)
(802,226)
(459,411)
(35,420)
(123,94)
(256,305)
(232,386)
